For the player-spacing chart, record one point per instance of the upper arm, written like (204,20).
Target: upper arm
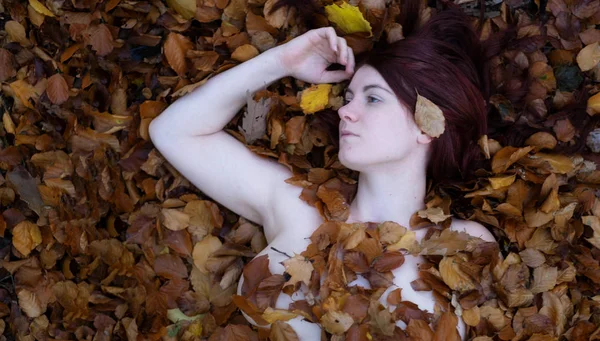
(475,229)
(227,171)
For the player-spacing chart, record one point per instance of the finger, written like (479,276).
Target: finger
(351,61)
(332,36)
(343,48)
(334,76)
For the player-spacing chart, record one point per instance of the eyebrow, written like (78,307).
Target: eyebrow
(367,87)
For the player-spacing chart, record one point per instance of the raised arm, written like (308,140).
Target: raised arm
(189,133)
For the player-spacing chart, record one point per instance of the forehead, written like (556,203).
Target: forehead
(366,75)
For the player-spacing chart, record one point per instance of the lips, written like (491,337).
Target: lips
(347,133)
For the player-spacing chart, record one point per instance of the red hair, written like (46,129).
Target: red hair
(444,61)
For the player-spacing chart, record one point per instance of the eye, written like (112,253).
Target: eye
(345,101)
(371,97)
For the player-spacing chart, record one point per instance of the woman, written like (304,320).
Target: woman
(378,136)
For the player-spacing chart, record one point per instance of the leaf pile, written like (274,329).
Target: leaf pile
(103,239)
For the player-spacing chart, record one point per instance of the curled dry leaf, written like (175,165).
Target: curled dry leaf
(429,117)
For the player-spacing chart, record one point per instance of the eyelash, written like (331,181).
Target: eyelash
(346,101)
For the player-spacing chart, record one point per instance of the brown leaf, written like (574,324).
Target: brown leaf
(388,261)
(101,39)
(419,330)
(356,261)
(7,68)
(446,328)
(429,117)
(203,250)
(176,47)
(170,266)
(57,90)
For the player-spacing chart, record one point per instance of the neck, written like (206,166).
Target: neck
(390,192)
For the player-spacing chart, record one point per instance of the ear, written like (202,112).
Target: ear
(423,138)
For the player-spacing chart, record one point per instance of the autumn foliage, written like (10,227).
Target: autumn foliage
(103,239)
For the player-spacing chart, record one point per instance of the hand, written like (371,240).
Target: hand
(307,56)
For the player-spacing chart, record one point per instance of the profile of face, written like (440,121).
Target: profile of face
(385,133)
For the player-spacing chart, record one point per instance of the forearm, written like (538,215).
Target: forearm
(211,106)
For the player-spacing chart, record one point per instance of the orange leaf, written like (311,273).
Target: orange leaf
(176,47)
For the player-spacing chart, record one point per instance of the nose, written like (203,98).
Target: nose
(347,113)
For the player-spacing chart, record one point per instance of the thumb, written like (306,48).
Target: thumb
(335,76)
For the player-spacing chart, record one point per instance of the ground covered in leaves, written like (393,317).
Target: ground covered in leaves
(103,239)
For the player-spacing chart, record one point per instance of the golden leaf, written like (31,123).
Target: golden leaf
(390,232)
(24,91)
(16,32)
(453,276)
(40,8)
(281,331)
(244,53)
(57,90)
(429,117)
(204,249)
(299,268)
(589,57)
(502,181)
(347,18)
(506,156)
(174,219)
(471,316)
(175,49)
(593,104)
(271,315)
(26,237)
(315,98)
(407,242)
(541,140)
(186,8)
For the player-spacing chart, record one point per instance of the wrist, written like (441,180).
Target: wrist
(275,61)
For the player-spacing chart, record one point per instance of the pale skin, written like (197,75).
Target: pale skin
(388,150)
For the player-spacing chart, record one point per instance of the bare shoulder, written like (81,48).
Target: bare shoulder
(473,228)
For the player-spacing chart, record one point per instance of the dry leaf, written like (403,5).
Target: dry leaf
(429,117)
(57,90)
(26,237)
(589,57)
(176,46)
(299,268)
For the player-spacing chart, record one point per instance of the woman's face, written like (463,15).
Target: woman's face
(384,129)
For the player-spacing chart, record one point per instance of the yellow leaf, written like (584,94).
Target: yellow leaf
(502,181)
(26,237)
(315,98)
(299,268)
(186,8)
(589,57)
(429,117)
(347,18)
(407,242)
(336,322)
(593,104)
(40,8)
(434,214)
